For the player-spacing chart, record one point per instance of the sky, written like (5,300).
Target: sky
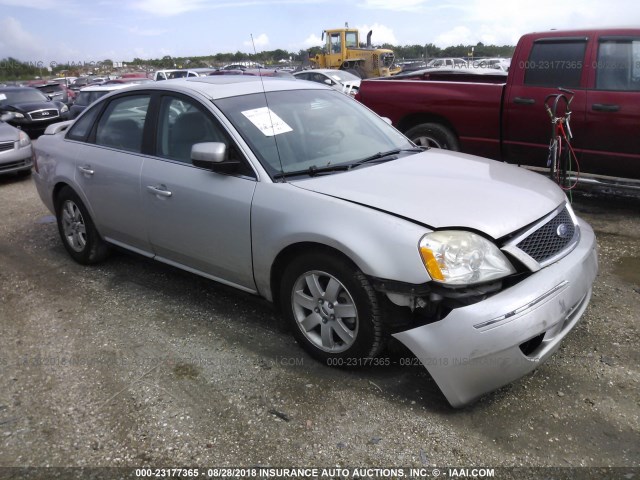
(72,31)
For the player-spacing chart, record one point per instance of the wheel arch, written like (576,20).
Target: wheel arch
(57,188)
(416,119)
(287,254)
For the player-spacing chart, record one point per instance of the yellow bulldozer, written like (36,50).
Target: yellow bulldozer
(342,51)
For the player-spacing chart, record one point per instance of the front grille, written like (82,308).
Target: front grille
(12,165)
(44,114)
(387,59)
(6,146)
(550,239)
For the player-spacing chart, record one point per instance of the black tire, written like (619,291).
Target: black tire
(346,326)
(77,230)
(433,135)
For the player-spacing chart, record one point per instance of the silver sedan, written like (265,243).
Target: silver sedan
(295,192)
(15,148)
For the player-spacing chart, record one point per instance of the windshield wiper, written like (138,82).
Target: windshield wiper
(384,155)
(313,170)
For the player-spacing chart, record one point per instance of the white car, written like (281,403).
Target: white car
(337,79)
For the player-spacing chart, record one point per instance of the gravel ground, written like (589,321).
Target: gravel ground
(134,363)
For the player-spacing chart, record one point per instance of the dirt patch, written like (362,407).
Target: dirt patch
(133,363)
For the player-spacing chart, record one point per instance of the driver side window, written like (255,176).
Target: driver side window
(181,125)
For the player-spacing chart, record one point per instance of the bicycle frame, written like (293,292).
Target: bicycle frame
(559,159)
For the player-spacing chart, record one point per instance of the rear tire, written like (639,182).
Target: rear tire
(433,135)
(332,310)
(77,230)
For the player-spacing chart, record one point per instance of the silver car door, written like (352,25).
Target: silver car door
(198,219)
(108,171)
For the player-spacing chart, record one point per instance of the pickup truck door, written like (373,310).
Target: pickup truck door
(612,143)
(553,62)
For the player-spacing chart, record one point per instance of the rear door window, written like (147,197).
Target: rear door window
(555,63)
(122,123)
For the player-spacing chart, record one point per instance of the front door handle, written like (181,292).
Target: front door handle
(86,170)
(524,101)
(603,107)
(160,190)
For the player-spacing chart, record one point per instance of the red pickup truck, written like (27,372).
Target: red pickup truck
(486,116)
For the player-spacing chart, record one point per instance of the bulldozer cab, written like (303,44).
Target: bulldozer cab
(337,43)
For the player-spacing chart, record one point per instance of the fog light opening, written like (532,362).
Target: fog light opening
(532,344)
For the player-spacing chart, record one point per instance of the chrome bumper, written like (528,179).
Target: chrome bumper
(476,349)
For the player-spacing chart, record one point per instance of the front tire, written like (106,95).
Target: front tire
(433,135)
(77,230)
(332,309)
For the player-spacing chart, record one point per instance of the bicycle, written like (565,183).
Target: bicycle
(561,152)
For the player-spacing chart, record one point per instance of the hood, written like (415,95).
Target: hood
(31,106)
(8,133)
(442,189)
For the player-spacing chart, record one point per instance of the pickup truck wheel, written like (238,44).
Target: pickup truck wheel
(77,231)
(433,135)
(332,309)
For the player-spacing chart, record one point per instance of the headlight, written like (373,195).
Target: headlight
(18,115)
(23,140)
(64,109)
(456,257)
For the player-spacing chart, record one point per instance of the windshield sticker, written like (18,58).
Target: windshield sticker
(267,121)
(3,96)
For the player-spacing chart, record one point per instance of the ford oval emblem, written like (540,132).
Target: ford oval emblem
(562,231)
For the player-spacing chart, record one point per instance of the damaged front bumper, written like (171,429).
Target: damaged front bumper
(481,347)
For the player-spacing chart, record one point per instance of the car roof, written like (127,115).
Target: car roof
(15,89)
(105,88)
(223,86)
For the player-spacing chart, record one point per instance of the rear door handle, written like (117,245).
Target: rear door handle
(524,101)
(160,190)
(86,170)
(603,107)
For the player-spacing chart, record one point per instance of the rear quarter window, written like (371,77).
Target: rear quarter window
(555,63)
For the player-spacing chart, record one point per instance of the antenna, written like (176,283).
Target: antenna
(266,101)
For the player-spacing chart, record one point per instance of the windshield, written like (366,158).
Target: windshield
(342,76)
(309,129)
(26,95)
(87,98)
(54,88)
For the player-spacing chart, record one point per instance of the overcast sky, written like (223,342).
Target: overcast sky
(83,30)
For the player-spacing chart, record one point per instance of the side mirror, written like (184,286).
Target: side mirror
(328,82)
(213,156)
